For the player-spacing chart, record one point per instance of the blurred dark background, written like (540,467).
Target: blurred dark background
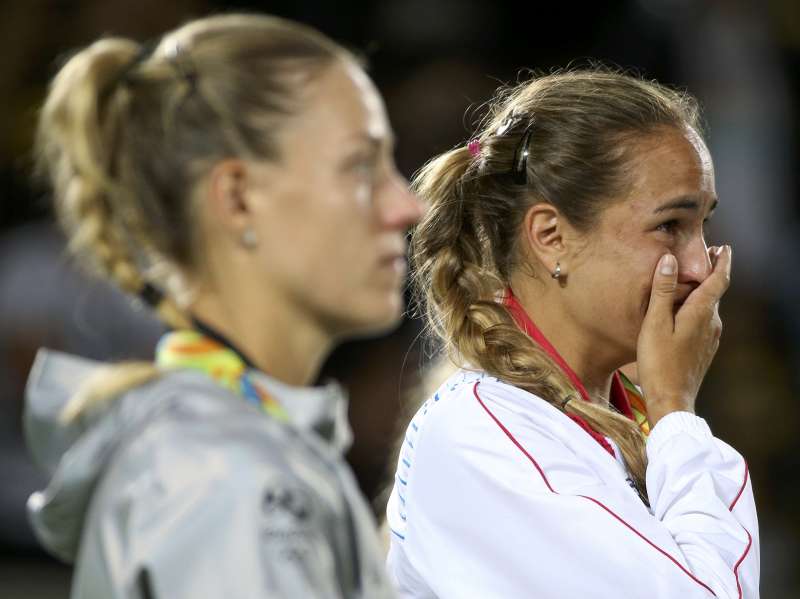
(433,60)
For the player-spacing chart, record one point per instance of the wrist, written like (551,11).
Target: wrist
(657,409)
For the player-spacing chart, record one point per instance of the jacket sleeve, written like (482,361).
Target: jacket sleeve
(211,520)
(496,505)
(701,492)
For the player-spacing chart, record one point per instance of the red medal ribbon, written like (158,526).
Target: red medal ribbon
(619,396)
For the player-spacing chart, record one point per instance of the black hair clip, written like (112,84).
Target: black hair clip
(520,170)
(151,295)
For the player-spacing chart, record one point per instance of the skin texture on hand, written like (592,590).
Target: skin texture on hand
(679,339)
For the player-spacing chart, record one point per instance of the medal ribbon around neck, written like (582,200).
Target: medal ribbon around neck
(625,396)
(192,349)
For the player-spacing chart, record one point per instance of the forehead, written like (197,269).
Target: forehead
(670,163)
(341,106)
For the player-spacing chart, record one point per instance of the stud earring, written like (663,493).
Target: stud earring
(249,239)
(556,274)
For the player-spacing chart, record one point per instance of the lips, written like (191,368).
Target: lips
(396,262)
(393,251)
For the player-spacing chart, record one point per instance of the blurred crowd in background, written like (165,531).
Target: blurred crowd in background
(436,61)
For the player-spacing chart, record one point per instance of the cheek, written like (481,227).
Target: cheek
(334,254)
(643,269)
(627,280)
(362,193)
(299,240)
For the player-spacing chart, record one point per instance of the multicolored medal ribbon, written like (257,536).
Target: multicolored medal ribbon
(636,401)
(193,350)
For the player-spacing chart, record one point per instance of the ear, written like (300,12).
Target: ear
(228,201)
(544,234)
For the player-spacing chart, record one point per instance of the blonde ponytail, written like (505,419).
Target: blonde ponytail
(76,138)
(126,133)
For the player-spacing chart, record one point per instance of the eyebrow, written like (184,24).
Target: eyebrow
(374,142)
(360,142)
(684,203)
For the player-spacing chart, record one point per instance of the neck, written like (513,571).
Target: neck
(280,340)
(593,363)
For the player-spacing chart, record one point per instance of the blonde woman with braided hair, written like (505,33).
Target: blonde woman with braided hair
(563,242)
(238,177)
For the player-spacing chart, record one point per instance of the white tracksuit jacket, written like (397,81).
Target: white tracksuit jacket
(500,495)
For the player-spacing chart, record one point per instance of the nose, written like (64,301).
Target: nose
(694,262)
(400,208)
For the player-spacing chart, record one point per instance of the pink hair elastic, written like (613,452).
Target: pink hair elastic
(474,147)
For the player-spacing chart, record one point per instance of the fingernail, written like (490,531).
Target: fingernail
(667,266)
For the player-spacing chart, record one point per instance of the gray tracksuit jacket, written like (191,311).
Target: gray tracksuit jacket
(180,489)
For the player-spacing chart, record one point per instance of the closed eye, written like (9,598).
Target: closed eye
(361,162)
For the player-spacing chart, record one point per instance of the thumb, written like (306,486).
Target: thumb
(665,281)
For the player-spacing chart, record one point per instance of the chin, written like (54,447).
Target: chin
(387,320)
(371,320)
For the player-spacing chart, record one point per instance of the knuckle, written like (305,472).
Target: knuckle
(665,289)
(716,327)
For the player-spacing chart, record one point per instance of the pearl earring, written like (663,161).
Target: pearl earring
(249,239)
(557,272)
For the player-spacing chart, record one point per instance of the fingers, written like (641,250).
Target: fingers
(713,254)
(662,294)
(717,283)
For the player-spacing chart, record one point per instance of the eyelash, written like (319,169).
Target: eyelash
(668,226)
(672,224)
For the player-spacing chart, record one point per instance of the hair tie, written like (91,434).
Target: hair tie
(474,147)
(151,295)
(565,401)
